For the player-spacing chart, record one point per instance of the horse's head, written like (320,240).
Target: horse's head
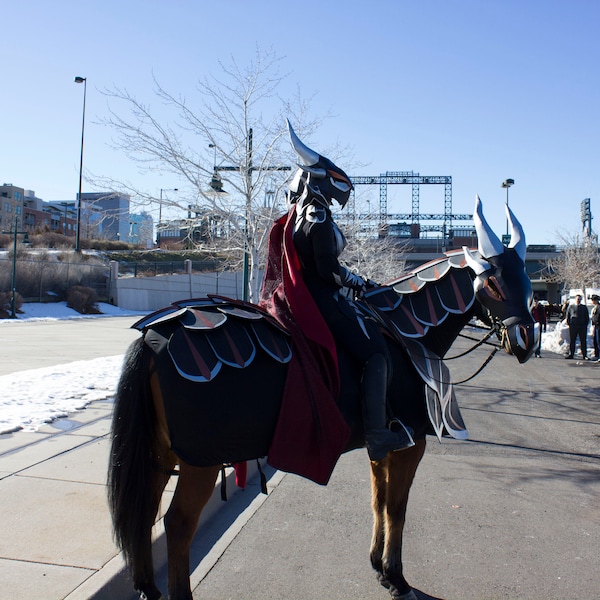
(502,286)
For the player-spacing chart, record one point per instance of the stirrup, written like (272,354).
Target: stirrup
(383,441)
(397,426)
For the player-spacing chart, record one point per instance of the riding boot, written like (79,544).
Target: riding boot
(379,439)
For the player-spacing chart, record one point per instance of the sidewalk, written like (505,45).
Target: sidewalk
(55,532)
(512,513)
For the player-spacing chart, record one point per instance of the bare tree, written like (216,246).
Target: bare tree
(379,258)
(227,139)
(578,265)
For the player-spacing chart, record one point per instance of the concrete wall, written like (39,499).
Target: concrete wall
(152,293)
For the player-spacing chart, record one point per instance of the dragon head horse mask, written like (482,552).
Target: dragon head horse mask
(502,285)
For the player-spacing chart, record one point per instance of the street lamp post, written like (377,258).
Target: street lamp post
(506,184)
(160,212)
(77,233)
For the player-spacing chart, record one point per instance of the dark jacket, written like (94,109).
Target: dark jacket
(578,315)
(539,314)
(596,315)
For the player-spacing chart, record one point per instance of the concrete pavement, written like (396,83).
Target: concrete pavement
(36,344)
(512,513)
(55,532)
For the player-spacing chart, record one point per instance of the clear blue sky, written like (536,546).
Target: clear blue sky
(481,90)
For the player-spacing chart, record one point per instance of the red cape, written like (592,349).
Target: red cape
(311,433)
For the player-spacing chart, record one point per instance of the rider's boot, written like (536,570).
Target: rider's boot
(379,439)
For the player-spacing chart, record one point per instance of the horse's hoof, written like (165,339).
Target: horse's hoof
(410,595)
(383,581)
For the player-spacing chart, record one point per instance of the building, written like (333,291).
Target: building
(57,216)
(11,206)
(105,215)
(141,227)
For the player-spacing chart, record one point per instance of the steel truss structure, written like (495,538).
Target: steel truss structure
(415,216)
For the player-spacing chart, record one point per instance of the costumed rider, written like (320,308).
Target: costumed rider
(319,242)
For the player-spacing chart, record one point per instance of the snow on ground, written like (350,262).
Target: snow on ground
(39,311)
(29,399)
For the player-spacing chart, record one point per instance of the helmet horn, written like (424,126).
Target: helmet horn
(309,157)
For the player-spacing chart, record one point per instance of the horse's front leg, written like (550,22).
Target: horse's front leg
(378,501)
(193,491)
(401,469)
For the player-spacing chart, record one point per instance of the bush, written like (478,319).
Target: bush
(51,239)
(82,299)
(105,245)
(6,304)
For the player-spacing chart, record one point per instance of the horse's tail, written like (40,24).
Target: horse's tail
(133,471)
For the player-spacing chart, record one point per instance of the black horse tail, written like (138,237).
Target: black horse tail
(133,473)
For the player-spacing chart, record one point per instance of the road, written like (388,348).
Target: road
(511,514)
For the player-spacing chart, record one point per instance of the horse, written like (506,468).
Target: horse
(178,398)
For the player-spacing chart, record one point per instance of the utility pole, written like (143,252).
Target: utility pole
(13,311)
(218,187)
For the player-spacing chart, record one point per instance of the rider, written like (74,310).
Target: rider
(319,242)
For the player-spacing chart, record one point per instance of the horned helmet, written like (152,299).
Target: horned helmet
(318,176)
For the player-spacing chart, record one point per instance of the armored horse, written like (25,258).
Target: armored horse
(202,387)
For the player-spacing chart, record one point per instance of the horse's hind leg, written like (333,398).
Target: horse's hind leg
(401,469)
(143,568)
(193,491)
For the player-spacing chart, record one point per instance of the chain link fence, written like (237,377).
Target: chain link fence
(47,277)
(137,285)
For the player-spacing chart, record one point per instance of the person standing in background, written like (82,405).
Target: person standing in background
(538,312)
(595,319)
(578,318)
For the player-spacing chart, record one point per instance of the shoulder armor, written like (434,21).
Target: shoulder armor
(316,214)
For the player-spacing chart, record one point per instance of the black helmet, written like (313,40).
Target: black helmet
(321,176)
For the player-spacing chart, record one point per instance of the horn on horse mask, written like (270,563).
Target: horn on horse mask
(517,236)
(488,243)
(324,179)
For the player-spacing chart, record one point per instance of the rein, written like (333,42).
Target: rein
(480,342)
(485,364)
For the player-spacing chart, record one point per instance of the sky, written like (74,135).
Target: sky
(35,397)
(481,90)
